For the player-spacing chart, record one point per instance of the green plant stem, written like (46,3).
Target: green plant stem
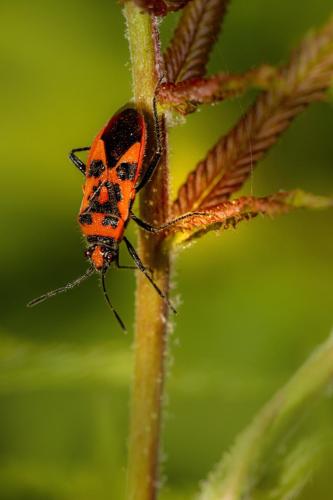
(239,472)
(151,311)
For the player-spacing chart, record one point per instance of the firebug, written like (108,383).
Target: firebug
(118,167)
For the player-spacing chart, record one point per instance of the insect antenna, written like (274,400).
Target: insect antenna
(120,321)
(65,288)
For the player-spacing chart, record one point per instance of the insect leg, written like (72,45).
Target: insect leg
(156,229)
(76,160)
(133,268)
(157,155)
(123,267)
(107,298)
(141,267)
(149,172)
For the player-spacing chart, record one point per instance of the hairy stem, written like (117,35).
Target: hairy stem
(151,311)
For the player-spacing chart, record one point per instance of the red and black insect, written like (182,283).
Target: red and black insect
(117,168)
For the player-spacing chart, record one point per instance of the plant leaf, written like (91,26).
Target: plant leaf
(238,473)
(230,213)
(161,7)
(198,28)
(174,5)
(298,467)
(186,95)
(229,163)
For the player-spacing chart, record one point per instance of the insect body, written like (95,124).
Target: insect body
(113,168)
(116,169)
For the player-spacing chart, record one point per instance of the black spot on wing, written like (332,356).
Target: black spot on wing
(85,219)
(122,131)
(96,167)
(110,220)
(126,171)
(117,192)
(103,208)
(110,206)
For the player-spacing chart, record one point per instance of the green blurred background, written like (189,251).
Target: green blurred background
(255,301)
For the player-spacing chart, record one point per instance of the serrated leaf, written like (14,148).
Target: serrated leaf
(230,213)
(198,29)
(229,163)
(185,96)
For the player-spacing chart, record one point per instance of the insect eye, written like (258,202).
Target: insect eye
(88,252)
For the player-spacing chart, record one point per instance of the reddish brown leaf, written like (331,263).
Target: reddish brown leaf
(195,35)
(186,95)
(230,213)
(174,5)
(229,163)
(156,7)
(161,7)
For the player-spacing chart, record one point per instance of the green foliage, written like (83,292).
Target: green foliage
(252,458)
(27,365)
